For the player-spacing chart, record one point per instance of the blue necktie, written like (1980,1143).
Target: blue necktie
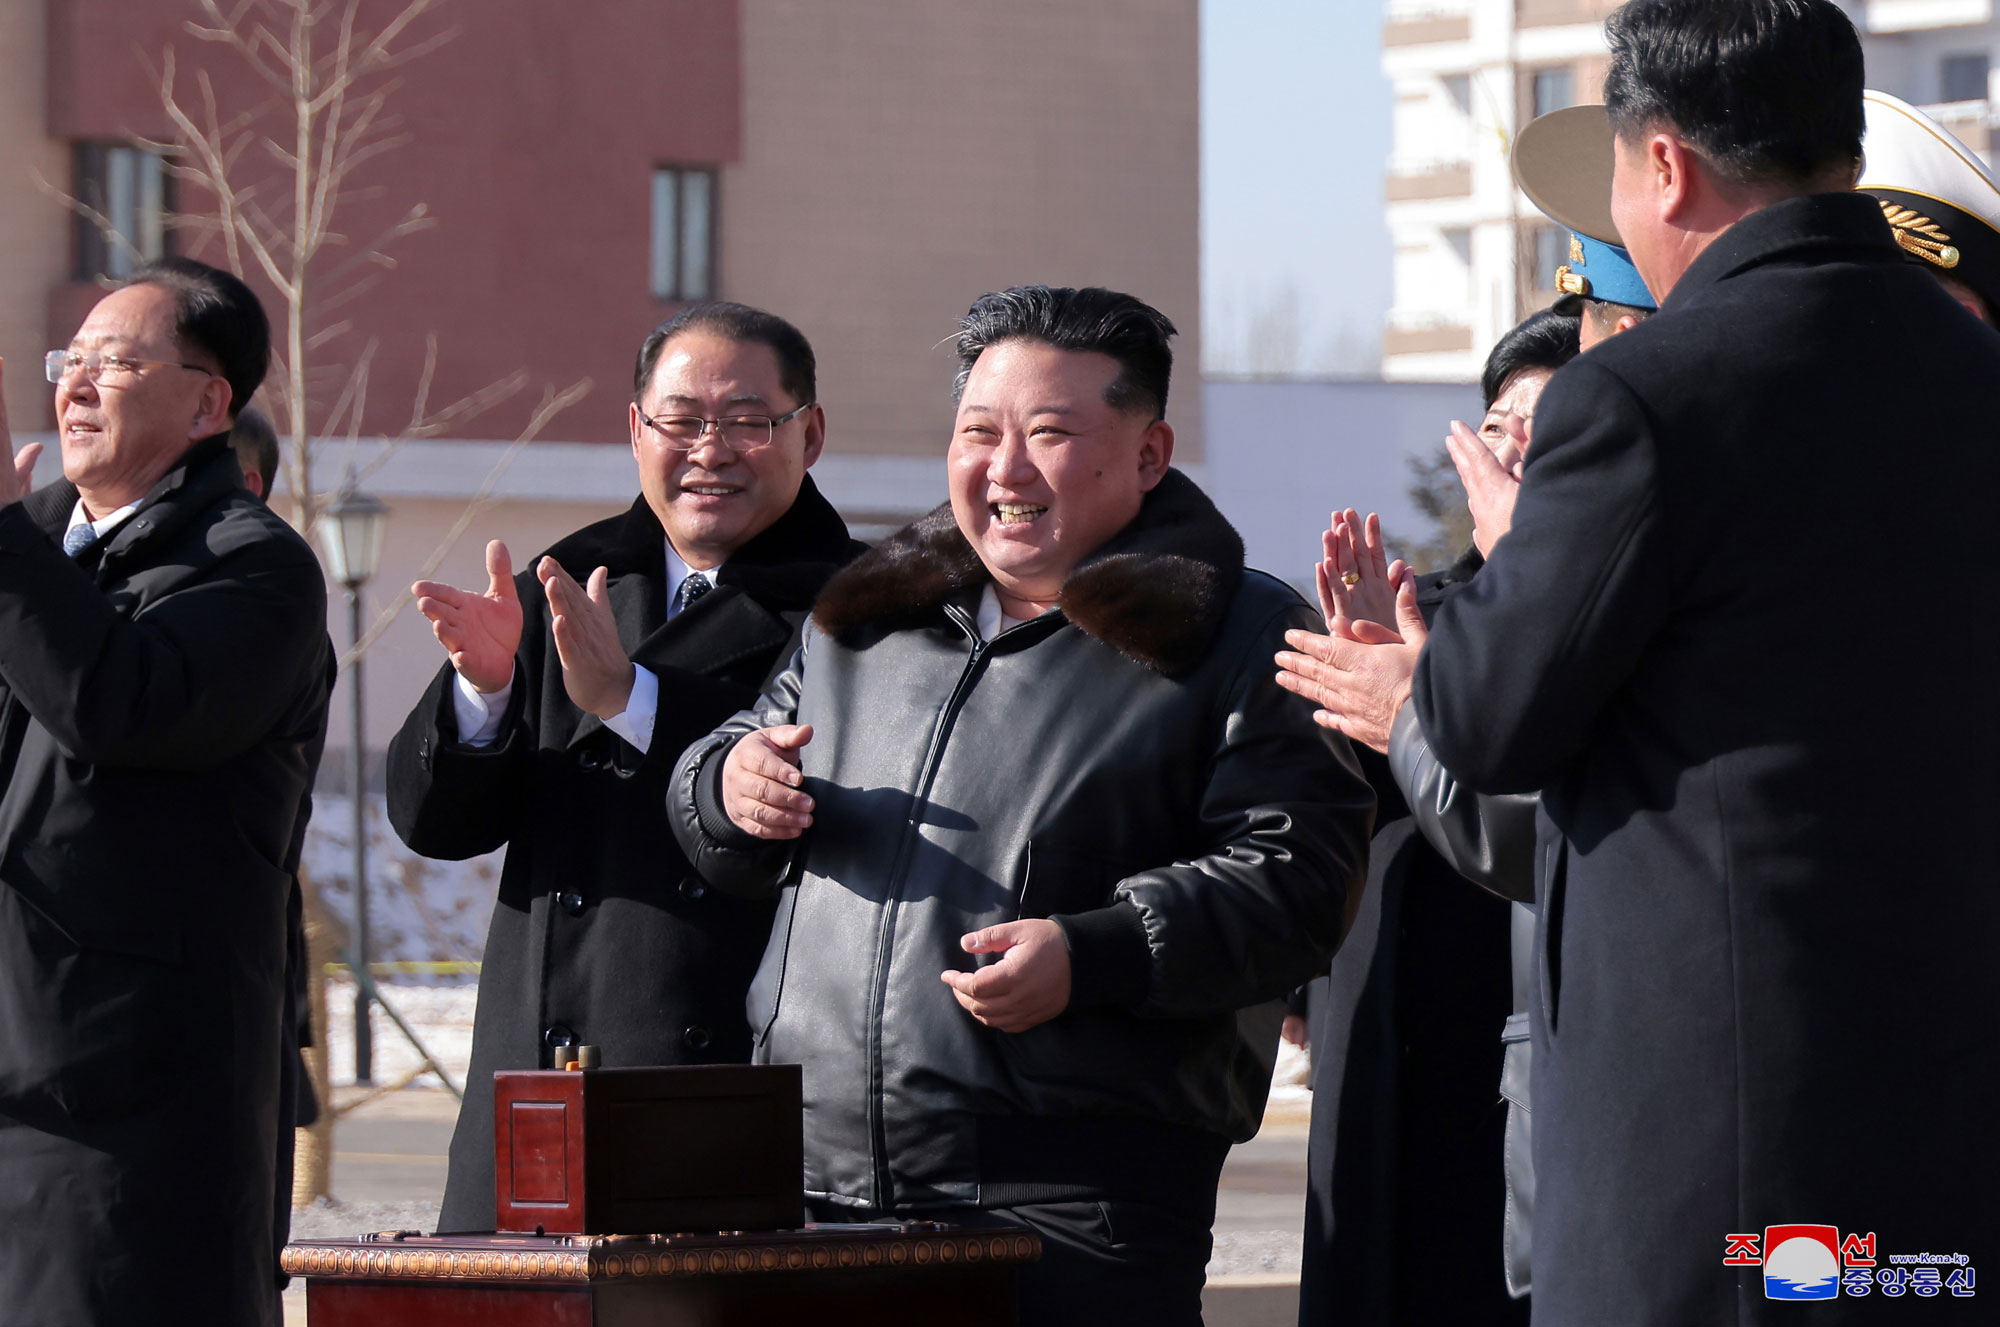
(694,587)
(77,538)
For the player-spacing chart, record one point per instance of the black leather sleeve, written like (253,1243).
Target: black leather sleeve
(723,855)
(1287,816)
(1487,838)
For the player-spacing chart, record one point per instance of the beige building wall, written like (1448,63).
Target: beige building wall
(900,157)
(34,230)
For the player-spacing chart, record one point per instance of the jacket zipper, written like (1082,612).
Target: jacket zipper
(877,1126)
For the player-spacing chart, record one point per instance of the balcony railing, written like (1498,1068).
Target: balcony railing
(1971,122)
(1446,179)
(1422,25)
(1550,13)
(1922,15)
(1428,338)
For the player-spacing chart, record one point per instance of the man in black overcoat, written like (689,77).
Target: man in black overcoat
(571,690)
(164,672)
(1766,989)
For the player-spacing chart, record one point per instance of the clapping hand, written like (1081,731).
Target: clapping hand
(761,783)
(597,672)
(1356,581)
(1358,683)
(17,471)
(480,632)
(1491,482)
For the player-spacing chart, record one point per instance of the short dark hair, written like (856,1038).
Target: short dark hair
(256,444)
(215,314)
(1604,314)
(1545,340)
(1768,91)
(798,373)
(1129,330)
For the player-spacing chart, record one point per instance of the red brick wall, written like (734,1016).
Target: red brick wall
(535,131)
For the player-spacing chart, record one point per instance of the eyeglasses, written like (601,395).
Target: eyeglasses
(740,433)
(106,370)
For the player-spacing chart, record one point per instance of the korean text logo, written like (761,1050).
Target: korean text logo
(1814,1262)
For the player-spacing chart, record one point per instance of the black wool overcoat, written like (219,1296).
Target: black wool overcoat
(1406,1195)
(1770,908)
(601,934)
(162,702)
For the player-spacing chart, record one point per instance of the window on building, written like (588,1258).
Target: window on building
(1963,77)
(1458,90)
(1551,252)
(683,233)
(128,188)
(1551,91)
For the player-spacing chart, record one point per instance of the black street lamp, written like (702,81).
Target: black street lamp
(350,531)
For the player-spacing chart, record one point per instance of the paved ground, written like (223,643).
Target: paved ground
(389,1164)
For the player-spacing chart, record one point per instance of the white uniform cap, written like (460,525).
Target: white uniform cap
(1938,197)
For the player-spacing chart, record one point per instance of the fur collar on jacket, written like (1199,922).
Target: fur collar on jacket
(1156,592)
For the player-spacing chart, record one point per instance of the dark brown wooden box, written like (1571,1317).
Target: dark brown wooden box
(607,1151)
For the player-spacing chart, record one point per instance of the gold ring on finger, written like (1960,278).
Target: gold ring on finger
(1350,579)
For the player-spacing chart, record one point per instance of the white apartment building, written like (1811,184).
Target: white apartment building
(1472,256)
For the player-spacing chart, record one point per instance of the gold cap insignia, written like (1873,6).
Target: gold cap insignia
(1571,283)
(1920,235)
(1576,252)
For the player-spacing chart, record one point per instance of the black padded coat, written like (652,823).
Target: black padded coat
(1125,764)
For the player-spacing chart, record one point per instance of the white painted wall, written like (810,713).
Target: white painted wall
(1283,454)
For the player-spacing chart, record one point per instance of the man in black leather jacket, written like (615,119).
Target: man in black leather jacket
(1032,745)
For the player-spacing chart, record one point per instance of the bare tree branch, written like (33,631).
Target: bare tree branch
(105,226)
(553,404)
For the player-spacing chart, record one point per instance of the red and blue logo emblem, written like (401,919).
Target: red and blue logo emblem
(1801,1262)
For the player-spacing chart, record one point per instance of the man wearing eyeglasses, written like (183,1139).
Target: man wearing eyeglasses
(571,689)
(164,673)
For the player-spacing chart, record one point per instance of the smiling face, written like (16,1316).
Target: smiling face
(1042,470)
(1516,403)
(713,499)
(118,440)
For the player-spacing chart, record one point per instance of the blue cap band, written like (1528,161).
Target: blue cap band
(1602,271)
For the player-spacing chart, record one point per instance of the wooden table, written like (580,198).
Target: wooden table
(826,1276)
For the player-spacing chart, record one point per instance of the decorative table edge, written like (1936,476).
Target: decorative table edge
(407,1256)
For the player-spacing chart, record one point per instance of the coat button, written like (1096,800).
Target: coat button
(589,760)
(692,888)
(696,1038)
(572,902)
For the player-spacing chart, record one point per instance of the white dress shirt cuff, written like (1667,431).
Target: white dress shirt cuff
(635,725)
(479,713)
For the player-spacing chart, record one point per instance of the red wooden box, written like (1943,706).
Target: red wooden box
(916,1275)
(691,1148)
